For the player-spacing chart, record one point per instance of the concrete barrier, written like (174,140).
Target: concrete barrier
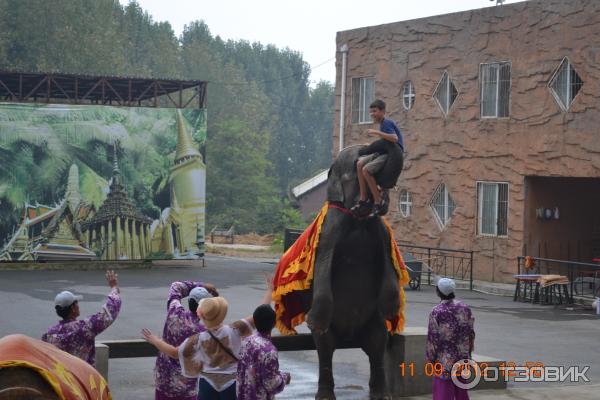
(102,356)
(405,365)
(404,359)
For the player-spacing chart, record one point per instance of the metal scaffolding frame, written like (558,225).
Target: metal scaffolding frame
(101,90)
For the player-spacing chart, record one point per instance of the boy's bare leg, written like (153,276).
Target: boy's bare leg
(362,184)
(372,186)
(363,207)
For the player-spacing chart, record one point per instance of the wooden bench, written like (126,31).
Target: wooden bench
(222,232)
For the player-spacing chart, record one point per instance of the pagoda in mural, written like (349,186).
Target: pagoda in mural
(53,233)
(180,230)
(118,231)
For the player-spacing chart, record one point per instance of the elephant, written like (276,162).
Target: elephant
(20,383)
(355,287)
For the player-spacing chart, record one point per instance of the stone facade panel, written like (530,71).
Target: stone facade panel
(537,139)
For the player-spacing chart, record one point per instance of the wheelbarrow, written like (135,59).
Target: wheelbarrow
(415,267)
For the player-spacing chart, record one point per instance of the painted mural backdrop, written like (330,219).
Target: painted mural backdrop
(98,182)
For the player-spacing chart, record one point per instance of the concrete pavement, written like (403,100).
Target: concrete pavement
(516,332)
(580,392)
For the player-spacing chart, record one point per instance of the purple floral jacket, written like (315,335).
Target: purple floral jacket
(179,325)
(258,375)
(78,337)
(450,333)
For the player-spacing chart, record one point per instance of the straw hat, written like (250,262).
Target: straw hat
(212,311)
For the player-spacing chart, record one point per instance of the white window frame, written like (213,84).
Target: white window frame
(481,89)
(564,107)
(364,111)
(446,112)
(447,215)
(410,96)
(405,202)
(479,186)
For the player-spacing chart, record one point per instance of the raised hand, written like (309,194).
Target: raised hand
(211,289)
(111,278)
(150,337)
(269,281)
(268,296)
(160,344)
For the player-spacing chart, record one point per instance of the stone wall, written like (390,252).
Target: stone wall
(538,139)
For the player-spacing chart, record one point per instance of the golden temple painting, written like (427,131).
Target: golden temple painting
(105,183)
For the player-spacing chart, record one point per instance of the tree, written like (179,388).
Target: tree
(320,126)
(242,192)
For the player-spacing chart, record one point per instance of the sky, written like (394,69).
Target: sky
(307,26)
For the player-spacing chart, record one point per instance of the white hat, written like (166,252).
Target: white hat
(446,286)
(199,293)
(66,298)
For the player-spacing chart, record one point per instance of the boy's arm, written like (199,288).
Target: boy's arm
(378,146)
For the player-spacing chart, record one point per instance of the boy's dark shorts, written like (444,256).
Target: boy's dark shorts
(373,162)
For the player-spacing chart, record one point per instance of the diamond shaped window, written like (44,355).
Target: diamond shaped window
(442,205)
(565,84)
(445,93)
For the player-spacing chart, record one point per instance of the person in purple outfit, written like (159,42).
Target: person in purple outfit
(258,375)
(450,339)
(179,325)
(77,336)
(212,355)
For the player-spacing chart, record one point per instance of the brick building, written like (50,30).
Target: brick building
(500,113)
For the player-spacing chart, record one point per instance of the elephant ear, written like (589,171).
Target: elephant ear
(335,190)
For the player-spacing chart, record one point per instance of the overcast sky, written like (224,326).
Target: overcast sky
(307,26)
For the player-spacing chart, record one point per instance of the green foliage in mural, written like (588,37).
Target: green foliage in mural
(38,145)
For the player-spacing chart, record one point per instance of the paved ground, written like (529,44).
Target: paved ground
(511,331)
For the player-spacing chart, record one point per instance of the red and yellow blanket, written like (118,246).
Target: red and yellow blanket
(69,377)
(294,274)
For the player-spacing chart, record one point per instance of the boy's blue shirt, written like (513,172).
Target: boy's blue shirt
(389,126)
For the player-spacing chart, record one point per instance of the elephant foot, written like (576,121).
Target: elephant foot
(325,394)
